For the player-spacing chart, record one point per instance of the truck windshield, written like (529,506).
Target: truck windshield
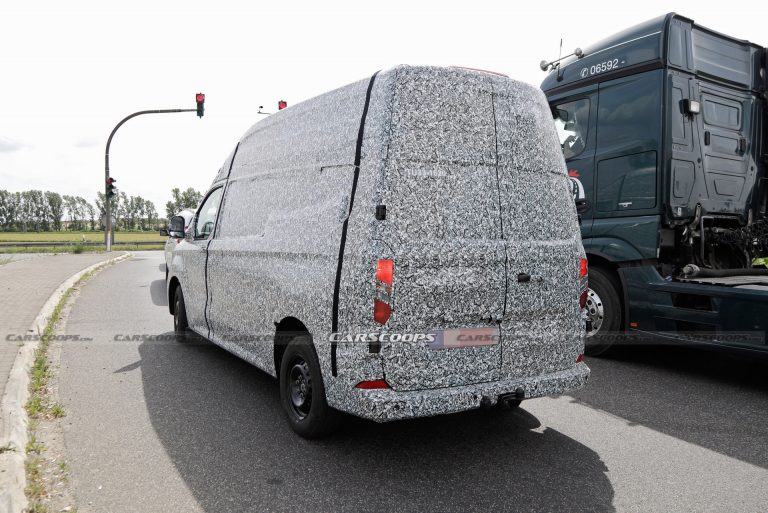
(572,120)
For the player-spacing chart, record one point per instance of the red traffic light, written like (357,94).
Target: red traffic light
(200,99)
(111,187)
(282,104)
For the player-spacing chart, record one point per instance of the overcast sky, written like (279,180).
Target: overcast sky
(69,71)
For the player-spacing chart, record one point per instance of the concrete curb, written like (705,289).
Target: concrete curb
(13,479)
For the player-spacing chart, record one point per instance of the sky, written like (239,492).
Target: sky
(70,71)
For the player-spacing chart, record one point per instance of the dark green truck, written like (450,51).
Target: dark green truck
(663,128)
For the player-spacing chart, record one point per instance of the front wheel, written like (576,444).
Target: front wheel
(603,312)
(302,392)
(180,324)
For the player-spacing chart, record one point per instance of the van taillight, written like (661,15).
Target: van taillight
(372,385)
(382,309)
(583,283)
(384,271)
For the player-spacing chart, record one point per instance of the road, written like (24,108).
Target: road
(154,425)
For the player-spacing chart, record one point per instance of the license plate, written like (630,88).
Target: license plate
(464,337)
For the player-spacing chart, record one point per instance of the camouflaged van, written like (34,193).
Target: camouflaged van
(404,246)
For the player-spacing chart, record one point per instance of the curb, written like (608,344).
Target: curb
(13,478)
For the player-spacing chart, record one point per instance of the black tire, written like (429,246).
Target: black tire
(180,324)
(302,392)
(603,303)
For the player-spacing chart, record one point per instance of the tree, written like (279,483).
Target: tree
(91,215)
(26,210)
(113,201)
(181,200)
(5,210)
(151,215)
(82,212)
(121,213)
(55,209)
(37,209)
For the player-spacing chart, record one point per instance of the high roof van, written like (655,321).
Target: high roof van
(403,246)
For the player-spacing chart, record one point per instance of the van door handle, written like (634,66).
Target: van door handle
(706,138)
(742,145)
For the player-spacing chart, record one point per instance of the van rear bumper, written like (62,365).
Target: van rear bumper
(386,405)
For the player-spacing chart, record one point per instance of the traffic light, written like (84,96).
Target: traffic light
(282,104)
(200,99)
(111,187)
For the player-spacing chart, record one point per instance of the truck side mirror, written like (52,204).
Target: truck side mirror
(163,232)
(176,227)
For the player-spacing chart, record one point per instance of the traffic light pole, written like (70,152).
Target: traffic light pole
(108,231)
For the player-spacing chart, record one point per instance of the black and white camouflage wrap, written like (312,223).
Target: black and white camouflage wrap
(470,169)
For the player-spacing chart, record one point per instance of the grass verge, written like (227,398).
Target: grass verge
(40,406)
(78,248)
(78,236)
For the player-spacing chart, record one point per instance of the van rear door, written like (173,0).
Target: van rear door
(541,330)
(444,228)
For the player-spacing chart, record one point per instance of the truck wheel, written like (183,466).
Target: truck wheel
(603,312)
(302,392)
(179,315)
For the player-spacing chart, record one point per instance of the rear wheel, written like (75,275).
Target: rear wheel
(302,392)
(603,311)
(179,315)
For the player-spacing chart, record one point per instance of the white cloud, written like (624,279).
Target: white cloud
(8,145)
(87,142)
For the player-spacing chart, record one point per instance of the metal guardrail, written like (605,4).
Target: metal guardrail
(75,243)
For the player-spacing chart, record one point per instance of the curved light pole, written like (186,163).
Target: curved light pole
(107,200)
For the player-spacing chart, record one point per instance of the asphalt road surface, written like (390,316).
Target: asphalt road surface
(158,426)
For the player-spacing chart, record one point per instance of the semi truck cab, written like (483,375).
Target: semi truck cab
(663,132)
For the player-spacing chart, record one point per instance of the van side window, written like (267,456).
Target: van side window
(206,216)
(572,122)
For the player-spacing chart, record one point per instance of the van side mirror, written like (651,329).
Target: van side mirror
(163,232)
(176,227)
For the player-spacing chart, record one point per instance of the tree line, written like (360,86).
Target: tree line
(36,210)
(39,211)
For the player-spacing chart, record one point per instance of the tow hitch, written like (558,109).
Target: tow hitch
(512,399)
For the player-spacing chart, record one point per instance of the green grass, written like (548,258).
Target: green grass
(4,260)
(35,406)
(57,410)
(33,446)
(80,249)
(66,236)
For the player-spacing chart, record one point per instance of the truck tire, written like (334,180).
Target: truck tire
(180,324)
(302,392)
(603,311)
